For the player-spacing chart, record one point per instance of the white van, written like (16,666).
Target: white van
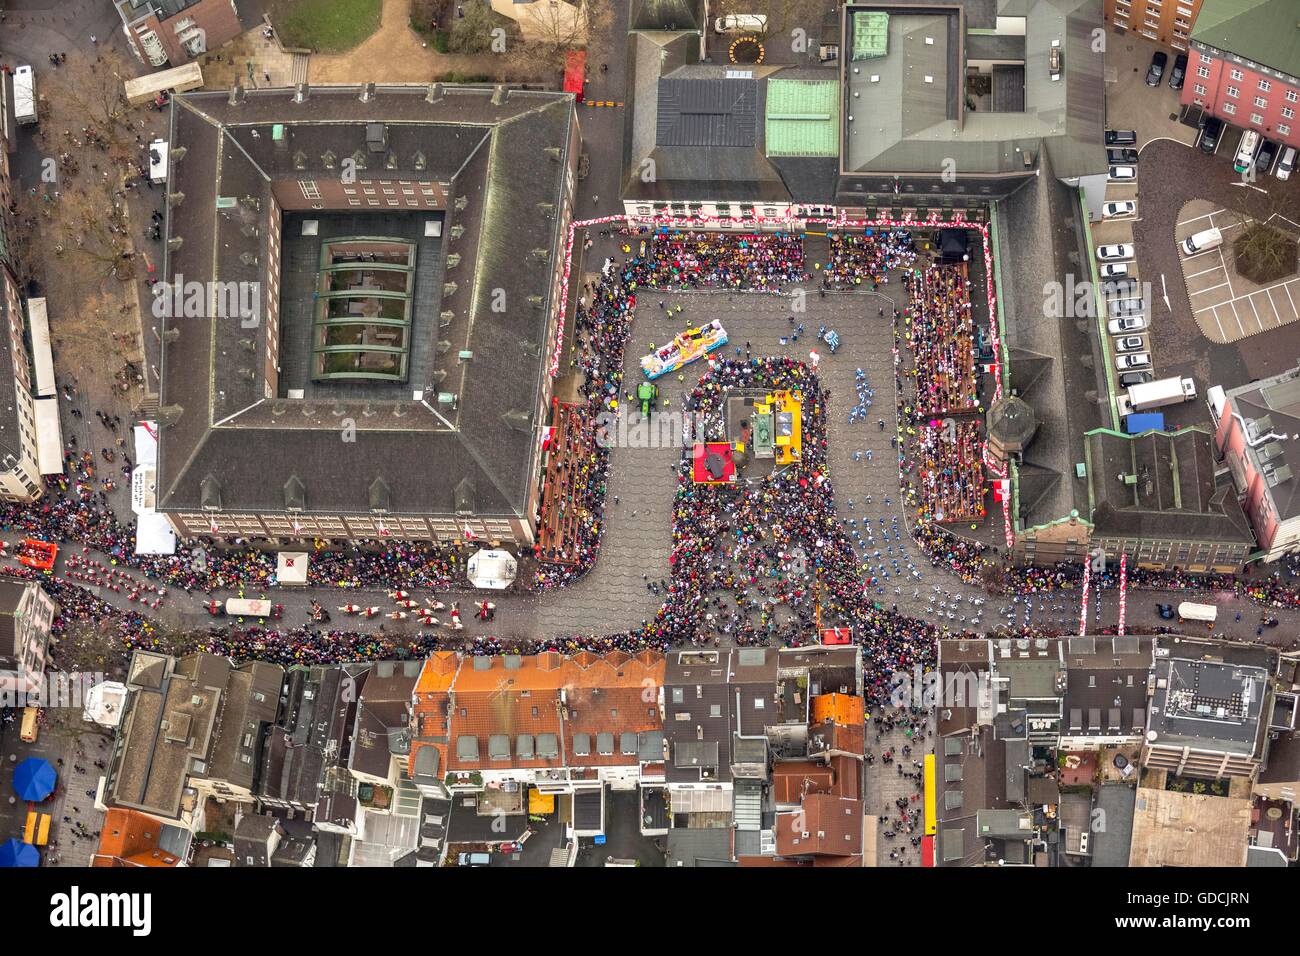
(1246,151)
(1202,241)
(741,23)
(1286,163)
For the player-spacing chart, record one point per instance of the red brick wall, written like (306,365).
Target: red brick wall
(1224,77)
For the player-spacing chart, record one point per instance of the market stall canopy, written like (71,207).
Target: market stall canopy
(154,535)
(16,853)
(291,567)
(34,779)
(492,570)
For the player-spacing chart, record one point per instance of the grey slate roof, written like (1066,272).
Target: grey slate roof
(251,443)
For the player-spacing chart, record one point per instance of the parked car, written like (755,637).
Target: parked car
(1133,360)
(1129,379)
(1118,252)
(1120,289)
(1121,137)
(1123,173)
(1166,611)
(1127,323)
(1121,154)
(1112,210)
(1113,270)
(1179,72)
(474,859)
(1211,133)
(1264,159)
(1124,307)
(1157,68)
(1130,343)
(1247,149)
(1286,164)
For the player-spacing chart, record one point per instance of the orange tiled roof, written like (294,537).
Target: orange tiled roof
(130,838)
(845,709)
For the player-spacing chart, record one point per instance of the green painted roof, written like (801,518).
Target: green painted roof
(1266,31)
(870,34)
(803,118)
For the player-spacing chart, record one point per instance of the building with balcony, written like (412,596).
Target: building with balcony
(163,32)
(1257,427)
(26,616)
(1209,708)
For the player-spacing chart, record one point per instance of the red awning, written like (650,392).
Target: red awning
(927,851)
(575,72)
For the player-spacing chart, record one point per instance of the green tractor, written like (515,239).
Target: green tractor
(647,394)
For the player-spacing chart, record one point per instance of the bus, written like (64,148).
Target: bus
(25,108)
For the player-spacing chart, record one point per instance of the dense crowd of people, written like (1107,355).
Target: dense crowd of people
(763,262)
(941,335)
(947,470)
(856,259)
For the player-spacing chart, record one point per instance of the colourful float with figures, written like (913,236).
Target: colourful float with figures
(40,555)
(684,349)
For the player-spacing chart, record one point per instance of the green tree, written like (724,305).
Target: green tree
(472,33)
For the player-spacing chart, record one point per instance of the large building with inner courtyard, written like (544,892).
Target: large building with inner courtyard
(360,308)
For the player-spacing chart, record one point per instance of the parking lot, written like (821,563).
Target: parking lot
(1226,305)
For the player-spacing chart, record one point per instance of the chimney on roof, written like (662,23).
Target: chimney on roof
(453,260)
(457,231)
(177,154)
(171,335)
(553,152)
(461,202)
(540,255)
(300,92)
(175,198)
(367,92)
(248,344)
(449,289)
(498,94)
(535,301)
(438,377)
(445,318)
(174,243)
(531,349)
(547,209)
(236,95)
(247,375)
(434,93)
(443,347)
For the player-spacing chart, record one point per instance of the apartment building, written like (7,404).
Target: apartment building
(1167,22)
(163,32)
(1244,66)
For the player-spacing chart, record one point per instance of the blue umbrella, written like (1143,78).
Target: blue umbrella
(34,779)
(16,853)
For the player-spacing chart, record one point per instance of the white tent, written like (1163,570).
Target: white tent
(154,535)
(291,567)
(492,570)
(105,703)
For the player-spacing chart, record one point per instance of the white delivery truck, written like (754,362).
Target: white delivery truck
(1165,391)
(25,96)
(1208,613)
(1203,241)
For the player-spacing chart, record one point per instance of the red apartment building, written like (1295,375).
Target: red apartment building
(1257,435)
(163,32)
(1244,66)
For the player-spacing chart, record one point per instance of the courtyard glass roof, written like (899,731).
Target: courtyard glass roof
(362,325)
